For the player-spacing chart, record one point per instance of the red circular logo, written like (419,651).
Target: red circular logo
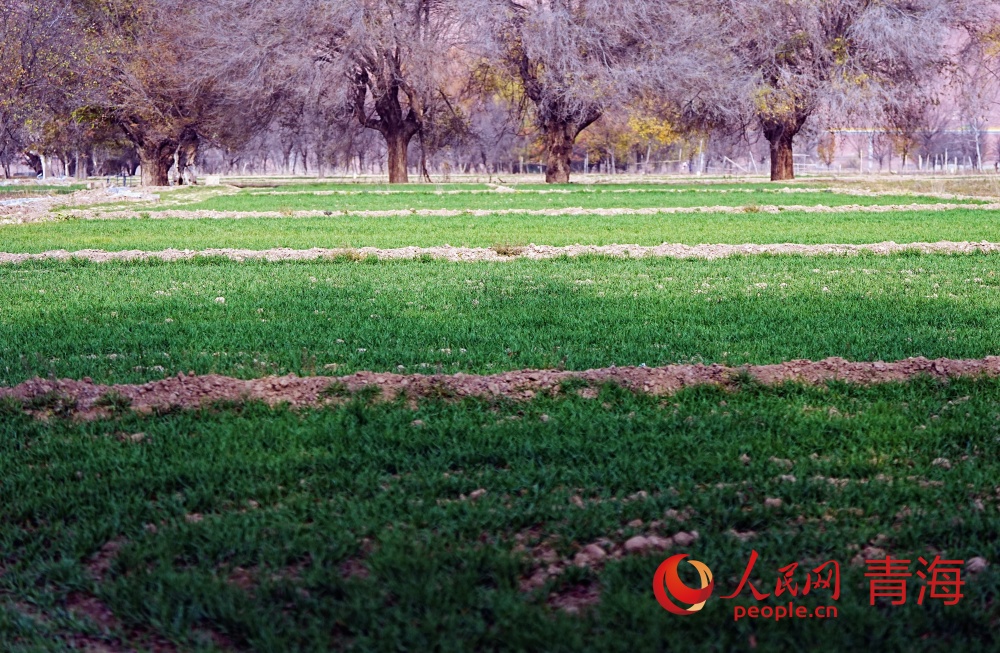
(667,583)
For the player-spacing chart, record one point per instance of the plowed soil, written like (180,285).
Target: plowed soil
(85,398)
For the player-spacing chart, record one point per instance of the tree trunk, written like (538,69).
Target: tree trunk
(424,174)
(779,135)
(156,160)
(33,161)
(779,132)
(398,143)
(397,126)
(559,139)
(187,151)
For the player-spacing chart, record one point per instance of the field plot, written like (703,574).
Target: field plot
(7,190)
(120,322)
(508,231)
(529,199)
(13,194)
(357,216)
(495,454)
(462,524)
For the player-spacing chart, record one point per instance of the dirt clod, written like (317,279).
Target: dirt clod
(976,565)
(637,544)
(685,539)
(868,553)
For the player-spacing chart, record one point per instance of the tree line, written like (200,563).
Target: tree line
(110,85)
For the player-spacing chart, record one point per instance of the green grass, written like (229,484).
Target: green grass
(132,322)
(15,191)
(649,197)
(303,233)
(290,498)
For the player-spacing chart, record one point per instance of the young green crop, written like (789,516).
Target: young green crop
(485,231)
(140,321)
(15,191)
(265,186)
(246,528)
(649,197)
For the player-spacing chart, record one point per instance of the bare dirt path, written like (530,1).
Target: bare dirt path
(472,254)
(38,209)
(85,399)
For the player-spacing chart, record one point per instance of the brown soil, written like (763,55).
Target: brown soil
(100,563)
(92,608)
(193,391)
(450,253)
(576,598)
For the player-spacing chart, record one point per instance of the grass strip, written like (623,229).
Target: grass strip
(473,231)
(649,198)
(134,322)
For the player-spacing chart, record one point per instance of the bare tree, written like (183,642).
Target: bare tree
(142,76)
(847,57)
(35,73)
(138,80)
(573,60)
(826,149)
(977,89)
(907,122)
(394,58)
(382,63)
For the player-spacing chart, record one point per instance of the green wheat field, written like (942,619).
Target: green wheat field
(374,523)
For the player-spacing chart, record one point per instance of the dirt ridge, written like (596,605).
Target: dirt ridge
(189,391)
(532,251)
(197,214)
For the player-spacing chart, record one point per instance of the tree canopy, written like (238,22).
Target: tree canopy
(303,83)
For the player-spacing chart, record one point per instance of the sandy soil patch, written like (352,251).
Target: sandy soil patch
(38,209)
(95,202)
